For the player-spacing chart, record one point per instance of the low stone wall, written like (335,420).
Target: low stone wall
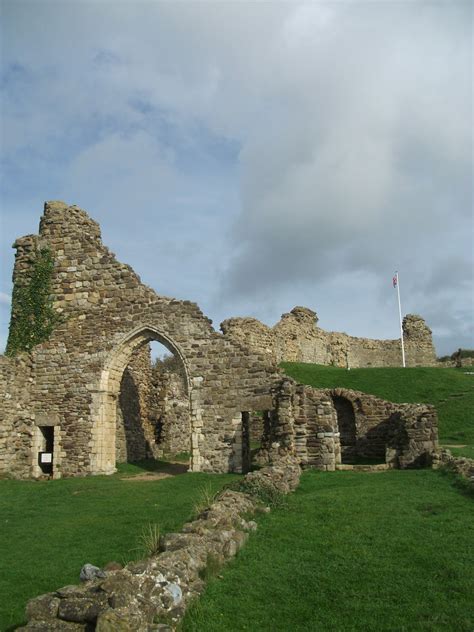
(460,465)
(297,338)
(153,594)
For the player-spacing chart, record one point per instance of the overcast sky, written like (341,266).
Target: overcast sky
(253,156)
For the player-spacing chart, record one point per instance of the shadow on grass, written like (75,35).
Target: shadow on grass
(151,465)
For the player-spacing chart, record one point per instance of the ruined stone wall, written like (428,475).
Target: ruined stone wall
(297,338)
(135,430)
(16,416)
(307,422)
(107,314)
(91,380)
(402,434)
(170,412)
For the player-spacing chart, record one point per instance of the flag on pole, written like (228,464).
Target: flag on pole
(394,281)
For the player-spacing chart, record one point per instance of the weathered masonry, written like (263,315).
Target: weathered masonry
(297,338)
(87,397)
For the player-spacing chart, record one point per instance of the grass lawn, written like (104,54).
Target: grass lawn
(352,552)
(48,530)
(451,391)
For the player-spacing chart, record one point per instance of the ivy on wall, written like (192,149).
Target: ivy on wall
(33,318)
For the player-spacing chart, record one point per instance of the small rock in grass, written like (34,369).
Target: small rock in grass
(89,571)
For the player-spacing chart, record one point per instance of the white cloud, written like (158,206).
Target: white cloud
(351,122)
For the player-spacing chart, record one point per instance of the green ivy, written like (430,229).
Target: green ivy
(33,318)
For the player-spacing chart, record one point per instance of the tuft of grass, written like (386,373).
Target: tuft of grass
(149,540)
(206,497)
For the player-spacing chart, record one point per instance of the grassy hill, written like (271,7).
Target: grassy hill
(451,391)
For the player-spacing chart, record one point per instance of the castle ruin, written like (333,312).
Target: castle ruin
(83,396)
(297,338)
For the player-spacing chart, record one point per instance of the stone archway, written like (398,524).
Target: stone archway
(104,405)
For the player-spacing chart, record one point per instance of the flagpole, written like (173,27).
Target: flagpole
(400,316)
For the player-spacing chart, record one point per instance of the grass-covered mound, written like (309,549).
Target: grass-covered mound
(50,529)
(352,552)
(451,391)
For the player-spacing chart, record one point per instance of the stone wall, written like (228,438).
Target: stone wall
(326,428)
(17,426)
(107,314)
(135,431)
(170,411)
(297,338)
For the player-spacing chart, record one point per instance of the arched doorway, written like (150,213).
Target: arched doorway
(347,428)
(116,379)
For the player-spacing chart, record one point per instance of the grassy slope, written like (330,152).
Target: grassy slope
(352,552)
(450,390)
(50,529)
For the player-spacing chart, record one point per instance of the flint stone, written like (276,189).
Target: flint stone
(138,568)
(176,592)
(89,571)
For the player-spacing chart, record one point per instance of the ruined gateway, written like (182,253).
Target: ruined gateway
(87,394)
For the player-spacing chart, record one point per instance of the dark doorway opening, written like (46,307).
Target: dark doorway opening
(347,429)
(255,425)
(45,457)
